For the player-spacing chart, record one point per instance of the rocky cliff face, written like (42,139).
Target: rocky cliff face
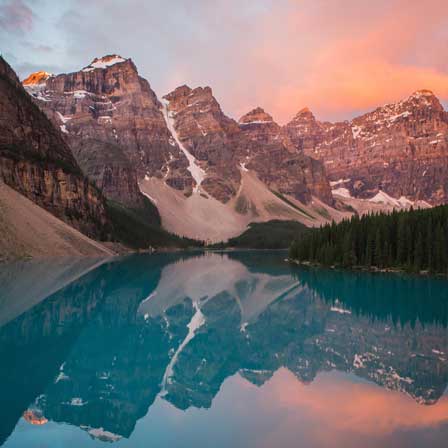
(209,136)
(278,162)
(224,148)
(400,149)
(187,142)
(107,165)
(36,161)
(109,102)
(185,139)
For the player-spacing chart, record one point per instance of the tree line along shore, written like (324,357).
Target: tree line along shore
(413,241)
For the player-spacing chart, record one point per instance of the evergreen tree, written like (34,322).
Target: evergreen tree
(414,239)
(418,252)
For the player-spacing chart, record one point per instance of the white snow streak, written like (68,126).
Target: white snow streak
(383,198)
(344,192)
(340,181)
(196,171)
(63,118)
(103,63)
(256,122)
(153,200)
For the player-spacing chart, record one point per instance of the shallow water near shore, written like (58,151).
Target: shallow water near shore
(220,349)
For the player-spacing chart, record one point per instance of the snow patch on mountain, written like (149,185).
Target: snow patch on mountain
(356,130)
(63,118)
(338,182)
(344,192)
(383,198)
(104,62)
(37,90)
(196,171)
(403,202)
(256,122)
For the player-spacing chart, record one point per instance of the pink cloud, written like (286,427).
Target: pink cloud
(339,58)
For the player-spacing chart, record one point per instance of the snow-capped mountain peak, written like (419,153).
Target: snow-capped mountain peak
(104,62)
(36,78)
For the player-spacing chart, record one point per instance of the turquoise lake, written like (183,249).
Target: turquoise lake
(219,350)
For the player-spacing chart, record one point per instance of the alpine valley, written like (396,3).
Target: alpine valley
(84,154)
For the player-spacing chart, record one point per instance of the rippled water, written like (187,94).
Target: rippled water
(214,350)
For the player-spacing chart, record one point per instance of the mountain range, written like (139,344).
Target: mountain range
(208,175)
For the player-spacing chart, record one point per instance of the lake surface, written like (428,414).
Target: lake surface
(219,350)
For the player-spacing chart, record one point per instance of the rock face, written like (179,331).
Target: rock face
(36,161)
(223,148)
(400,149)
(29,231)
(212,138)
(109,102)
(185,139)
(110,169)
(121,134)
(278,162)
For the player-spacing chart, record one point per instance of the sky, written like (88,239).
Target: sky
(340,58)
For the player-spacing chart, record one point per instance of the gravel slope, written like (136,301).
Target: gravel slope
(27,230)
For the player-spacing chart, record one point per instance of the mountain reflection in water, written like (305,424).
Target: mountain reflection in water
(110,341)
